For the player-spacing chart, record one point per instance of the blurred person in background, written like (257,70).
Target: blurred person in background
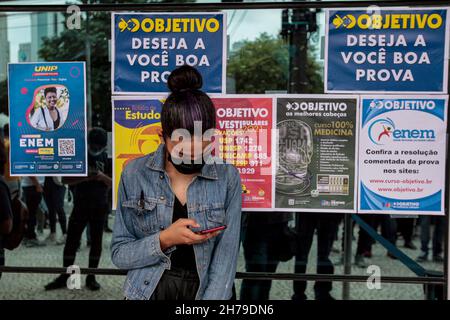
(306,225)
(54,193)
(265,239)
(90,205)
(12,182)
(32,193)
(6,222)
(426,223)
(405,226)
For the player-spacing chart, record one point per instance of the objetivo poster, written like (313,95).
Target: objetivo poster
(387,50)
(136,125)
(146,47)
(316,153)
(244,128)
(402,154)
(47,108)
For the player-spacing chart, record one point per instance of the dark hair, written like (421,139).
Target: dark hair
(98,136)
(186,103)
(48,90)
(3,157)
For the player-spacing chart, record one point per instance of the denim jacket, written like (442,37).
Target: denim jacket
(145,208)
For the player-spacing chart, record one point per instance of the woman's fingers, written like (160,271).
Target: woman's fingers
(191,236)
(188,223)
(194,238)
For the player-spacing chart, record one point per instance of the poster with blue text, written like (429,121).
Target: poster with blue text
(47,108)
(402,147)
(146,47)
(387,50)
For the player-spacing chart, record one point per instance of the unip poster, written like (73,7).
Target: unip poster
(146,47)
(244,129)
(402,149)
(387,50)
(136,129)
(316,152)
(47,108)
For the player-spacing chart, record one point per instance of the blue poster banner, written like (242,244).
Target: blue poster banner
(402,146)
(47,108)
(387,50)
(146,47)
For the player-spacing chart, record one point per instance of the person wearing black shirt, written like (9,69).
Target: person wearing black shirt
(262,238)
(306,225)
(90,206)
(183,272)
(5,204)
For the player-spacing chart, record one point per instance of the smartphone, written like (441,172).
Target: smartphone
(206,231)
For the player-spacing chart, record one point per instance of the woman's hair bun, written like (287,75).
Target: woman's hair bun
(184,78)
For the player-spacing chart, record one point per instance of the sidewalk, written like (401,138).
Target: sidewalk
(31,286)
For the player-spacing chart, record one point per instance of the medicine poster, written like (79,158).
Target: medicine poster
(316,153)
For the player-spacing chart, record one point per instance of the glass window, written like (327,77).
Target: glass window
(263,57)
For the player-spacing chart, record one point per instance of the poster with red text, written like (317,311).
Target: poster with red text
(244,125)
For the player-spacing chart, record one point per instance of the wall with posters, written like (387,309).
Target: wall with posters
(388,49)
(310,162)
(146,47)
(302,152)
(47,109)
(316,153)
(402,154)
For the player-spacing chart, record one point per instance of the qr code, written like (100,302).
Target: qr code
(66,147)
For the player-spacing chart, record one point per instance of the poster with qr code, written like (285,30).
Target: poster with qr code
(47,108)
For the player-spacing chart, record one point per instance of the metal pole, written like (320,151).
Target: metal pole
(183,7)
(446,252)
(298,47)
(240,275)
(88,72)
(446,292)
(348,234)
(447,211)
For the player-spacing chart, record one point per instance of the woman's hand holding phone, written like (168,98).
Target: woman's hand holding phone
(180,233)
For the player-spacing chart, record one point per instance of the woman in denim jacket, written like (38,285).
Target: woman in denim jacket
(167,197)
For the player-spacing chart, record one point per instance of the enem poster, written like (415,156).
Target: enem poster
(47,108)
(402,154)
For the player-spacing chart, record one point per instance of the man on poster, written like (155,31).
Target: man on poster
(47,118)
